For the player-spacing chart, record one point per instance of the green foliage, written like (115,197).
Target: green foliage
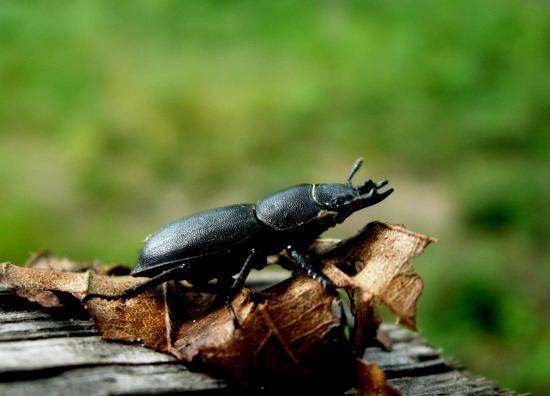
(117,117)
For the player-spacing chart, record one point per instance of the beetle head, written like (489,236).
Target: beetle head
(347,198)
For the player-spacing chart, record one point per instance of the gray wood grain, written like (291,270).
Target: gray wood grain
(152,379)
(416,368)
(48,353)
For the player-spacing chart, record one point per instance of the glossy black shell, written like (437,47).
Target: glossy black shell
(288,209)
(209,233)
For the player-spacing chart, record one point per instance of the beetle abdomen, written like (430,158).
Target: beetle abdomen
(288,209)
(200,235)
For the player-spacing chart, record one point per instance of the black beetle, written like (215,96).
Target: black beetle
(222,242)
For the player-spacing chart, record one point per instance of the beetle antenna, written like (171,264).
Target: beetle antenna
(354,169)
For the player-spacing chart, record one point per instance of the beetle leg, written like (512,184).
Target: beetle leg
(141,288)
(238,284)
(286,262)
(311,270)
(316,274)
(223,284)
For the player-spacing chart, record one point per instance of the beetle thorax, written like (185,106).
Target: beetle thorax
(288,209)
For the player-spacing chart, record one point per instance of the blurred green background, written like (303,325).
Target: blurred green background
(118,117)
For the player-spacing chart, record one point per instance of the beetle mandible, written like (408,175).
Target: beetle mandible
(219,243)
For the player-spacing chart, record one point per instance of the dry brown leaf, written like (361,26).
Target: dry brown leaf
(289,333)
(45,260)
(137,319)
(371,380)
(383,253)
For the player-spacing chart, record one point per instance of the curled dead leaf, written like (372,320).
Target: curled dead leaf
(379,259)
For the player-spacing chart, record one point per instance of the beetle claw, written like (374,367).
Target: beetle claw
(385,193)
(236,322)
(381,183)
(374,196)
(371,192)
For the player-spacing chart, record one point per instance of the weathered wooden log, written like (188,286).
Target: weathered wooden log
(50,353)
